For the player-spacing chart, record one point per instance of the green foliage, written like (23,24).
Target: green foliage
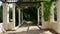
(30,14)
(55,14)
(32,0)
(10,13)
(1,14)
(47,6)
(16,16)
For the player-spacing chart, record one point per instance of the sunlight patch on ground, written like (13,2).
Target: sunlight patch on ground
(47,32)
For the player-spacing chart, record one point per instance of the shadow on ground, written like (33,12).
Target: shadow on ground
(30,29)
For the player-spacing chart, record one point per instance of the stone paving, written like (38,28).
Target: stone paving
(25,29)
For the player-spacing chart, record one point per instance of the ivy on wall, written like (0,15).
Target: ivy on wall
(47,7)
(47,14)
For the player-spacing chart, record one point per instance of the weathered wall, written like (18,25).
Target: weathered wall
(56,25)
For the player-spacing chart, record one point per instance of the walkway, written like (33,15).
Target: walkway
(31,29)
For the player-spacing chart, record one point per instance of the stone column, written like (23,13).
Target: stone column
(38,15)
(13,13)
(19,17)
(22,17)
(6,15)
(44,24)
(52,13)
(42,12)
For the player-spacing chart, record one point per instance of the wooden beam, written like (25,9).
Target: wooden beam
(21,4)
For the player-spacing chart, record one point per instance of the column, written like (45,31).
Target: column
(22,17)
(42,4)
(52,13)
(38,15)
(19,16)
(13,13)
(44,24)
(5,15)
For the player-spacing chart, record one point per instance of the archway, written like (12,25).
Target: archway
(30,14)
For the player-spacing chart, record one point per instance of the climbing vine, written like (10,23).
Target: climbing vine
(47,6)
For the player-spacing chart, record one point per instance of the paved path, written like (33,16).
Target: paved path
(25,29)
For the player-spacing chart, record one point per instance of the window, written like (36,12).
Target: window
(10,12)
(55,12)
(1,12)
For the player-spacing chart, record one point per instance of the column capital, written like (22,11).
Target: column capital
(4,4)
(13,4)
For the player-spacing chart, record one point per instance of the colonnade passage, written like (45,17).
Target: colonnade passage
(19,17)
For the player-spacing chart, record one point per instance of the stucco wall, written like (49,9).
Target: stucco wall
(11,26)
(54,26)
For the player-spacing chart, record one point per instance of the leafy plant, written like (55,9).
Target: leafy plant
(47,14)
(30,14)
(1,14)
(47,7)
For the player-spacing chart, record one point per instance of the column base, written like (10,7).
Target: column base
(40,26)
(15,28)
